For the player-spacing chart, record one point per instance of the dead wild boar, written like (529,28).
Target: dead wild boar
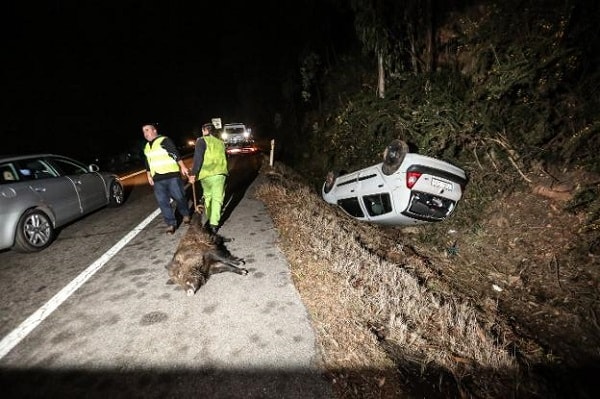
(199,255)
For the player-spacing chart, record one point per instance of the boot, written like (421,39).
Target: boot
(212,229)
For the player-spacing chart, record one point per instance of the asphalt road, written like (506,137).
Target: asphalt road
(124,333)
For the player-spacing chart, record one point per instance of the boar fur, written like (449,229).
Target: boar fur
(199,255)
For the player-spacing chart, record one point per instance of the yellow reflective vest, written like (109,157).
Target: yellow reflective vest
(159,159)
(215,159)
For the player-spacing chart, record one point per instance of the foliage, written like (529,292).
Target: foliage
(527,78)
(377,28)
(588,199)
(513,91)
(308,72)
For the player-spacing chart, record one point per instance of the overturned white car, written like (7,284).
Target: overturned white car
(405,189)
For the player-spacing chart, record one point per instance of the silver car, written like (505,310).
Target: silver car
(43,192)
(405,189)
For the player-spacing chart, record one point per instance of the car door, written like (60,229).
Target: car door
(374,193)
(89,185)
(346,186)
(57,193)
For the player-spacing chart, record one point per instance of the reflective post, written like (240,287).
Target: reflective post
(272,151)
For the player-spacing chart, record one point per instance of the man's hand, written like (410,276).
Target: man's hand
(183,169)
(191,178)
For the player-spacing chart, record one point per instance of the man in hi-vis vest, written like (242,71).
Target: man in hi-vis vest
(210,167)
(164,169)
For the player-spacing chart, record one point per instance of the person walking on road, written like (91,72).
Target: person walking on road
(164,169)
(210,167)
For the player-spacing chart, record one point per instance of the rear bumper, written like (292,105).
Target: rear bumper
(429,207)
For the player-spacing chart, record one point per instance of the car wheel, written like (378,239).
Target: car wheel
(34,231)
(330,181)
(117,194)
(393,156)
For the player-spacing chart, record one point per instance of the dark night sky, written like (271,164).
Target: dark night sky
(83,75)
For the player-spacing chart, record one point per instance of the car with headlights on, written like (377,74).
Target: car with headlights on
(41,193)
(405,189)
(236,134)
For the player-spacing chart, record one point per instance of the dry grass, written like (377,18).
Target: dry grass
(380,325)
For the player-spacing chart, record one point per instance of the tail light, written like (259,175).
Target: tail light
(242,150)
(411,178)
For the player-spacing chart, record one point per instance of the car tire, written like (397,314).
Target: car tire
(393,156)
(116,194)
(330,181)
(34,231)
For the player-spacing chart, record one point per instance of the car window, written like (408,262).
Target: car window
(351,206)
(8,173)
(35,169)
(67,167)
(378,204)
(234,130)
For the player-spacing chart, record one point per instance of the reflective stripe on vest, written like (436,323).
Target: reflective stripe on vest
(159,159)
(215,160)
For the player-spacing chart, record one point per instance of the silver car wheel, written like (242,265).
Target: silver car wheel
(117,194)
(34,232)
(37,230)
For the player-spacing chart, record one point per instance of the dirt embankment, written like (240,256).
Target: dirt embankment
(525,270)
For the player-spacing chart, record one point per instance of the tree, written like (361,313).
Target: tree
(371,26)
(401,34)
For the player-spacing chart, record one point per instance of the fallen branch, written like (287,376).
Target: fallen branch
(550,193)
(519,170)
(511,152)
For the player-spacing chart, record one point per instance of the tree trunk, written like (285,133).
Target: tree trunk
(430,35)
(413,54)
(381,77)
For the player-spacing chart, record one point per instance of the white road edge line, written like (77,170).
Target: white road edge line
(18,334)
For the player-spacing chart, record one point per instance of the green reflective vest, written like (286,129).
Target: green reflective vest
(215,160)
(159,159)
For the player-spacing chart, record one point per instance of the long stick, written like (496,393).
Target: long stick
(197,208)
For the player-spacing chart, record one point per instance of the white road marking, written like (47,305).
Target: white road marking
(18,334)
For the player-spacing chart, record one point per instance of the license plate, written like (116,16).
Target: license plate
(441,184)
